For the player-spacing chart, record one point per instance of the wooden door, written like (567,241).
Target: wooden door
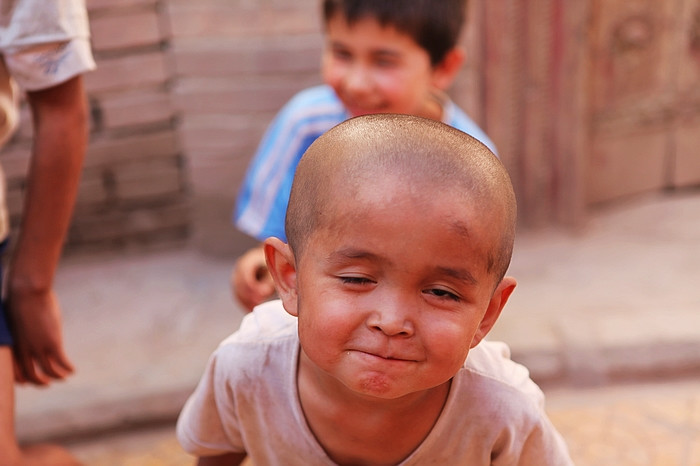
(589,101)
(686,135)
(645,97)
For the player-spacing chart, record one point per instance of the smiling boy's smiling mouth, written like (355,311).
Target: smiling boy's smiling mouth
(360,108)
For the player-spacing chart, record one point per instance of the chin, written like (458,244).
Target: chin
(358,113)
(378,387)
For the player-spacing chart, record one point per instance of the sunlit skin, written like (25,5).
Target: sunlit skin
(389,300)
(378,69)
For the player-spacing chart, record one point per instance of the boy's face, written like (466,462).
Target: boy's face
(392,296)
(375,69)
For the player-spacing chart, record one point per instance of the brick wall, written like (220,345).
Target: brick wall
(134,189)
(236,63)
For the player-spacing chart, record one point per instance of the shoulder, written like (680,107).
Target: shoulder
(266,331)
(458,118)
(500,412)
(310,112)
(494,400)
(307,115)
(492,374)
(268,321)
(318,102)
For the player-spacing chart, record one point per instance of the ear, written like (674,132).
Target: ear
(444,73)
(282,266)
(496,304)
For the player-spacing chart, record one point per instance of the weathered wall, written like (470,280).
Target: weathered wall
(184,90)
(592,102)
(645,97)
(134,188)
(236,63)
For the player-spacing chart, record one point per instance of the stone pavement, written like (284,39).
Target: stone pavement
(616,301)
(624,425)
(630,425)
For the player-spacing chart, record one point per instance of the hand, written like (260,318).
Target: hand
(251,283)
(35,318)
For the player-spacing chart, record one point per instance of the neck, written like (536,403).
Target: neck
(433,106)
(356,429)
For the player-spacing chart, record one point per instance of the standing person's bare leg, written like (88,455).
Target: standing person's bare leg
(12,454)
(8,442)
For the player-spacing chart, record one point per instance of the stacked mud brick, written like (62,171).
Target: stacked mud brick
(182,93)
(134,187)
(237,63)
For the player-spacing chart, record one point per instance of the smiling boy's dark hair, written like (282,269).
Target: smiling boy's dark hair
(435,25)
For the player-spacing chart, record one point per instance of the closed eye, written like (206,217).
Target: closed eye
(442,294)
(356,280)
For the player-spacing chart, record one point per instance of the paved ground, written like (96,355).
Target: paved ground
(617,301)
(632,425)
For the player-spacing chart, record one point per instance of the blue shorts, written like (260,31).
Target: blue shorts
(5,337)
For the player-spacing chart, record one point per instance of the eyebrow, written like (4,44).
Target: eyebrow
(354,253)
(458,273)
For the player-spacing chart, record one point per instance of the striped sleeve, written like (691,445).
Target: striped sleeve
(262,200)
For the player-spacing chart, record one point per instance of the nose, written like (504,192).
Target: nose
(392,316)
(357,79)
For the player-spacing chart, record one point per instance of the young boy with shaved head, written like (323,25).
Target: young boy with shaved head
(400,231)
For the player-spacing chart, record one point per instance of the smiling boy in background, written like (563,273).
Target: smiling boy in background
(379,56)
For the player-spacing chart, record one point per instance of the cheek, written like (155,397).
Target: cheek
(392,83)
(326,317)
(404,93)
(449,340)
(324,338)
(333,72)
(328,70)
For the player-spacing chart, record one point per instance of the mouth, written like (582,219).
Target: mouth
(359,110)
(385,357)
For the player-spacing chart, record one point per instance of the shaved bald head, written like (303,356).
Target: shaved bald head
(427,156)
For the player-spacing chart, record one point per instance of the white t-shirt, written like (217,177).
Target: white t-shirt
(247,400)
(42,43)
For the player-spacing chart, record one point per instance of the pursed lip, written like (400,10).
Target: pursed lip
(386,355)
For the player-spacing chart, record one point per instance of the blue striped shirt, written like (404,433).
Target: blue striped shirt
(263,197)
